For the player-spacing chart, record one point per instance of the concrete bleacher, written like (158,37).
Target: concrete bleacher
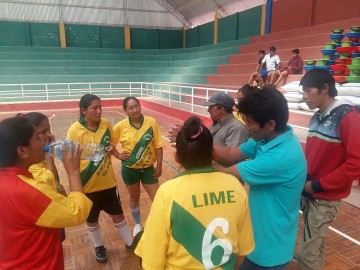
(309,40)
(24,65)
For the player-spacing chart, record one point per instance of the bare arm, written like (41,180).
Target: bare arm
(239,261)
(299,65)
(260,66)
(233,170)
(50,165)
(172,133)
(228,156)
(159,158)
(49,162)
(71,161)
(121,155)
(278,66)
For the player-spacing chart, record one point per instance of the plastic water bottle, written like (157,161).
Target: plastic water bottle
(91,151)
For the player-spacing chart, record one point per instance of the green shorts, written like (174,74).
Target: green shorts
(132,176)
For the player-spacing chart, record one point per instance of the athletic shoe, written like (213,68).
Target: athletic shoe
(100,254)
(135,242)
(137,228)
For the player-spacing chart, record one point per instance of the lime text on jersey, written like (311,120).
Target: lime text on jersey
(212,198)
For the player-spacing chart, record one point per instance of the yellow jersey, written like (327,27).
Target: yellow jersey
(199,220)
(140,143)
(99,175)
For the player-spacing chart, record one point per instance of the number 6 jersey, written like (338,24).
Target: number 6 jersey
(198,220)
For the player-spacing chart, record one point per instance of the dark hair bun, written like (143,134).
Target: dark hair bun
(192,128)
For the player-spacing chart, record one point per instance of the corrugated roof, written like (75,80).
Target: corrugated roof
(196,12)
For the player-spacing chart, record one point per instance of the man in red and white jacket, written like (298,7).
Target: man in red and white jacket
(333,159)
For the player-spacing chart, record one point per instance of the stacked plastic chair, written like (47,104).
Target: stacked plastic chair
(347,65)
(341,57)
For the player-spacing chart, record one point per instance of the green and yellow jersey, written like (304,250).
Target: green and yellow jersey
(140,143)
(95,176)
(199,220)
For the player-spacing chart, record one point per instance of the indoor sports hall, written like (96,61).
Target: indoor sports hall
(172,55)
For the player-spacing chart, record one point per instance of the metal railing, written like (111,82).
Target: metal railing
(164,93)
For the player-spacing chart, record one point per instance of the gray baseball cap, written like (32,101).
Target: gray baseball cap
(220,98)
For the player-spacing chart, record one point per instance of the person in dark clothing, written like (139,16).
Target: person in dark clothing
(295,66)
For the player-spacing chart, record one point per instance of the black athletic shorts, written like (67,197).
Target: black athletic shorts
(107,200)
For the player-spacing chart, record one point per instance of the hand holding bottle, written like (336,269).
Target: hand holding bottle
(71,159)
(91,151)
(110,150)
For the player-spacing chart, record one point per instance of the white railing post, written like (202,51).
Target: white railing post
(192,99)
(169,96)
(57,91)
(153,92)
(47,93)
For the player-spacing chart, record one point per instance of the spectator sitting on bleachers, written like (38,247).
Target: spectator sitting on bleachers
(295,66)
(273,63)
(257,72)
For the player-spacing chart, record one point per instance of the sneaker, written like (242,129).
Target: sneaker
(100,254)
(137,228)
(135,242)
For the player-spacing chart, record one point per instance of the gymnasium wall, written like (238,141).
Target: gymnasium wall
(233,27)
(29,34)
(206,34)
(192,37)
(228,28)
(239,25)
(249,22)
(287,15)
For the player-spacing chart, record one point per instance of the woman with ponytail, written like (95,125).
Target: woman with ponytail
(200,219)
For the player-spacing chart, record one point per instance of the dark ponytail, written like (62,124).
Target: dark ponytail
(194,144)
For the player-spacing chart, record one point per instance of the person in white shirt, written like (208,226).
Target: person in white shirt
(273,63)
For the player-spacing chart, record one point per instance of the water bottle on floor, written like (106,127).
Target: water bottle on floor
(91,151)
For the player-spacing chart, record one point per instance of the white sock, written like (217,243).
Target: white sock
(95,236)
(124,231)
(135,212)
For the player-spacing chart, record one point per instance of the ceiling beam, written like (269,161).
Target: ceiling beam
(174,12)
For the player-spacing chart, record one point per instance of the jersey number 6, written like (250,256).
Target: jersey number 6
(208,246)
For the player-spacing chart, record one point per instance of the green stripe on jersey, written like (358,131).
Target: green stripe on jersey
(93,166)
(199,241)
(140,148)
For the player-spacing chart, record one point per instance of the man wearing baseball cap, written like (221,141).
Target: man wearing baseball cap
(226,130)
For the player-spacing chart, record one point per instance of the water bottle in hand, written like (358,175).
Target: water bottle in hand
(91,151)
